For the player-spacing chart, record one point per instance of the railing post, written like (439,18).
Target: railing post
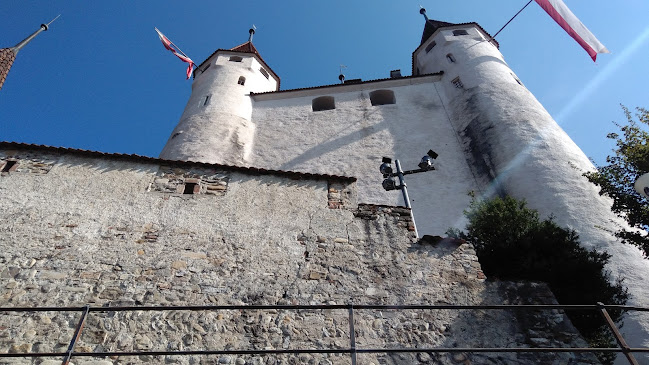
(626,350)
(352,334)
(77,334)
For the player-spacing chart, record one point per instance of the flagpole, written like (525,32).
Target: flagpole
(510,20)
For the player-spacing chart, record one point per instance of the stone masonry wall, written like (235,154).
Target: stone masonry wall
(107,231)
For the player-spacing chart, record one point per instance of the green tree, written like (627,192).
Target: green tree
(512,243)
(617,177)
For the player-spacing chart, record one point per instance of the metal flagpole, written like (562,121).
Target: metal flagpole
(24,42)
(510,20)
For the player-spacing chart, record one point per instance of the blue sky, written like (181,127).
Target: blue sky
(100,79)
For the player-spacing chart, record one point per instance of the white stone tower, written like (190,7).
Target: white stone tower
(216,125)
(516,148)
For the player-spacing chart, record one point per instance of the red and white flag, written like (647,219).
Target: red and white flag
(577,30)
(170,46)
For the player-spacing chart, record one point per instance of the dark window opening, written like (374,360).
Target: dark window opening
(457,83)
(242,80)
(430,46)
(9,165)
(460,32)
(382,97)
(323,103)
(206,100)
(191,188)
(236,59)
(450,58)
(263,72)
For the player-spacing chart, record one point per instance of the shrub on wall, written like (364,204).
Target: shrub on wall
(512,243)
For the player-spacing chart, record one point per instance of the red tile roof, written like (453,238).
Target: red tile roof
(139,158)
(348,84)
(7,57)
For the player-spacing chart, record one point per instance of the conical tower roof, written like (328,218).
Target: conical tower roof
(431,26)
(247,47)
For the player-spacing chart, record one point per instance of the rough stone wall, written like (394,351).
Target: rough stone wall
(7,57)
(95,230)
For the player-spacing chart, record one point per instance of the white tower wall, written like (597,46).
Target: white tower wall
(518,149)
(216,125)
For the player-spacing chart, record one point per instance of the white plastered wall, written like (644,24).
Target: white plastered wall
(351,140)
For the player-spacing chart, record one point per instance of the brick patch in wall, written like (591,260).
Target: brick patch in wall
(340,195)
(174,180)
(25,162)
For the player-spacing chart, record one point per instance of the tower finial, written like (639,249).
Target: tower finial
(422,11)
(341,77)
(251,31)
(24,42)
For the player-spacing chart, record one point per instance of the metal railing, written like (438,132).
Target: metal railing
(352,350)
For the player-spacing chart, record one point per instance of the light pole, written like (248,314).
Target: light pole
(388,183)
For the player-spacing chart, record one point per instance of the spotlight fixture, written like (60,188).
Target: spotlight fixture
(386,167)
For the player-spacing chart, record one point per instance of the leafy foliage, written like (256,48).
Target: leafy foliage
(512,243)
(616,179)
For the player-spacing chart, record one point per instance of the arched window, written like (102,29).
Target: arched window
(460,32)
(242,80)
(323,103)
(450,58)
(236,59)
(382,97)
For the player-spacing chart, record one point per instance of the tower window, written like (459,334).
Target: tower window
(460,32)
(191,186)
(264,72)
(457,83)
(450,58)
(323,103)
(382,97)
(9,166)
(242,80)
(206,67)
(206,100)
(236,59)
(430,46)
(517,80)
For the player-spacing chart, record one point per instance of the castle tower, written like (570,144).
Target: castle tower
(216,125)
(516,148)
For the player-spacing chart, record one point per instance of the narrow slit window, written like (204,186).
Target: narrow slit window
(382,97)
(242,80)
(430,46)
(264,72)
(191,188)
(517,80)
(323,103)
(9,165)
(236,59)
(457,83)
(206,100)
(450,58)
(458,32)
